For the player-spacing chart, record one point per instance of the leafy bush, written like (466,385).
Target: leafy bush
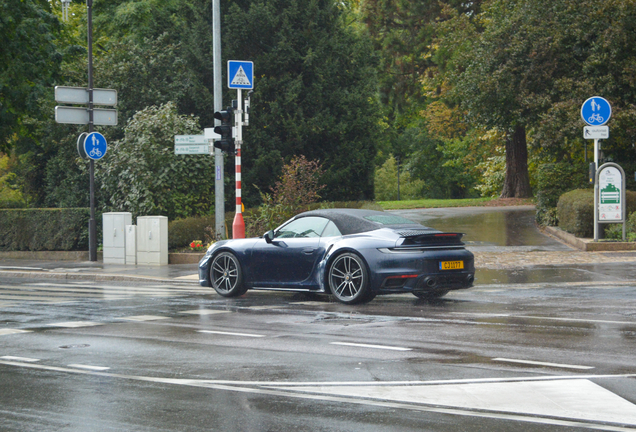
(297,188)
(552,181)
(493,173)
(576,212)
(45,229)
(10,195)
(182,232)
(142,174)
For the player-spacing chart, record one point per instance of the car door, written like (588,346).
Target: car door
(288,261)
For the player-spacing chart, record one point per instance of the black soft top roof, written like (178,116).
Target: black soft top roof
(352,221)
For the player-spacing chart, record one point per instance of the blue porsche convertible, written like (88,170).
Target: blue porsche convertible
(352,254)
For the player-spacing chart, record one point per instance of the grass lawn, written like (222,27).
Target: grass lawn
(439,203)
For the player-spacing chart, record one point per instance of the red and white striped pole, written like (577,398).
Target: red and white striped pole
(238,226)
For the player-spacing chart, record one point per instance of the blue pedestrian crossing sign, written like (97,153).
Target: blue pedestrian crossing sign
(240,74)
(95,145)
(596,111)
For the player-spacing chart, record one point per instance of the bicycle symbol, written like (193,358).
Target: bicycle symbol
(595,118)
(95,152)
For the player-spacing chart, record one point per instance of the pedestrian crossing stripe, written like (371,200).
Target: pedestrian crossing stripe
(241,79)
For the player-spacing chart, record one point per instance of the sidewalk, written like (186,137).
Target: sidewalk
(98,271)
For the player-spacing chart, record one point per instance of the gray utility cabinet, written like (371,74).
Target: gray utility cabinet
(131,244)
(152,240)
(114,224)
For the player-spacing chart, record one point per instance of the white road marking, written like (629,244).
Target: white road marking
(89,367)
(577,320)
(75,324)
(23,359)
(386,347)
(12,331)
(204,312)
(531,362)
(231,334)
(143,318)
(587,390)
(493,315)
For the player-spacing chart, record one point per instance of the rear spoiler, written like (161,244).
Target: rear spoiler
(419,239)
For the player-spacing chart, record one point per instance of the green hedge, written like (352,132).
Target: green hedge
(575,211)
(44,229)
(182,232)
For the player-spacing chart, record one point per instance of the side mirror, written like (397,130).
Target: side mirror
(269,236)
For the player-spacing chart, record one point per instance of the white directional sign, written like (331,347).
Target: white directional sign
(192,149)
(191,144)
(240,74)
(76,115)
(79,95)
(596,132)
(190,139)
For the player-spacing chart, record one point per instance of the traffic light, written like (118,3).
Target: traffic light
(226,143)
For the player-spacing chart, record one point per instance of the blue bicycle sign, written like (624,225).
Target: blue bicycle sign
(596,111)
(95,145)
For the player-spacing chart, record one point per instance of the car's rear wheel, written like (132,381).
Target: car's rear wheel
(430,295)
(226,275)
(348,279)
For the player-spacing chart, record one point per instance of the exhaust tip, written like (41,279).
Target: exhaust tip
(470,279)
(431,282)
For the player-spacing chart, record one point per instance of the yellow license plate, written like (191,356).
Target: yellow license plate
(451,265)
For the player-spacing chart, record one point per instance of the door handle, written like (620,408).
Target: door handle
(309,251)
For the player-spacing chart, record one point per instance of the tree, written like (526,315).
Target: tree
(524,68)
(29,62)
(141,174)
(315,94)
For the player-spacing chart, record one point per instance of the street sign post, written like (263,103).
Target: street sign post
(596,132)
(79,96)
(77,115)
(191,149)
(95,146)
(240,74)
(609,197)
(596,111)
(191,144)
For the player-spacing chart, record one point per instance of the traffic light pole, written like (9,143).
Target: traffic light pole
(219,193)
(238,226)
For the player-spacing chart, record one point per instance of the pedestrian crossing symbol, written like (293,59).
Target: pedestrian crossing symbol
(240,74)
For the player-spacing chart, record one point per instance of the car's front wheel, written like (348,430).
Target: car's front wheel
(226,275)
(348,279)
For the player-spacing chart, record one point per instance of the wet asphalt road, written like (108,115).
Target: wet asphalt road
(135,360)
(541,354)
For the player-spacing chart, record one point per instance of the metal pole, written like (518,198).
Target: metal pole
(238,226)
(219,192)
(398,177)
(596,154)
(92,225)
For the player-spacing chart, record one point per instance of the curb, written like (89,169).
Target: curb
(94,277)
(587,244)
